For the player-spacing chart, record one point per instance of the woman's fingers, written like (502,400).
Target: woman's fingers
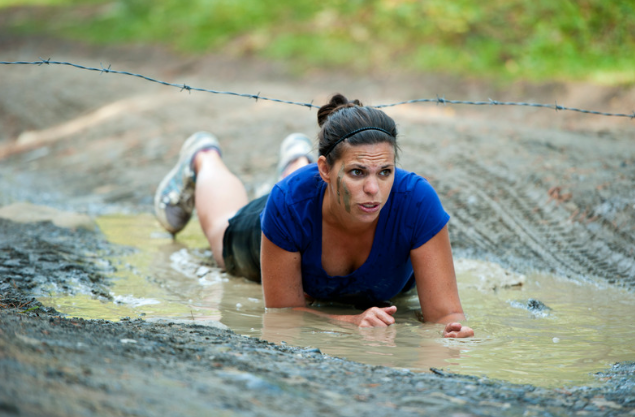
(452,327)
(457,330)
(378,317)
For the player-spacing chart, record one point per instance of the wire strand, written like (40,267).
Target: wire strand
(438,100)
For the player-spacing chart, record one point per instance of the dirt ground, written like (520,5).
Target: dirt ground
(532,189)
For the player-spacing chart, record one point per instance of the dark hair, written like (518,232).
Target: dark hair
(340,117)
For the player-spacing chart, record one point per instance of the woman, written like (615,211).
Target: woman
(350,227)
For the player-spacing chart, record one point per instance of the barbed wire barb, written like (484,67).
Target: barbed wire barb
(438,100)
(106,70)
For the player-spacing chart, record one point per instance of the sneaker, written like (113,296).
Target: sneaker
(174,198)
(293,147)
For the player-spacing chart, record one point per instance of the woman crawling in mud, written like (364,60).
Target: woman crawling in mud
(349,227)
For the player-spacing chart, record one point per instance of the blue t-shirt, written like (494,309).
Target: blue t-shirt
(412,215)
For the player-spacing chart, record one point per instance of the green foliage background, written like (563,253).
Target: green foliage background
(590,40)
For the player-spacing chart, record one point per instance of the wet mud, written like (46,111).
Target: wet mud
(526,189)
(39,258)
(69,367)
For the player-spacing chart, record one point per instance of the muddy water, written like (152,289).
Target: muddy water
(538,329)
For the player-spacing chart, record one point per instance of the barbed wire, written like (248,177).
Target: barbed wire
(438,100)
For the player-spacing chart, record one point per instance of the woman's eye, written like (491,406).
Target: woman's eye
(386,172)
(356,172)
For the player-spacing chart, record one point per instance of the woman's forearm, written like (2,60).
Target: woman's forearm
(450,318)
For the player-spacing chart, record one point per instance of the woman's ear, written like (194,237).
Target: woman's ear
(324,169)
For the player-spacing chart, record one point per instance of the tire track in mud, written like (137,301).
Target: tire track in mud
(519,224)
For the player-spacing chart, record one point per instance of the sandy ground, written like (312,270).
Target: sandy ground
(532,189)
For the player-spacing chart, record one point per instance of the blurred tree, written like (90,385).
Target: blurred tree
(532,39)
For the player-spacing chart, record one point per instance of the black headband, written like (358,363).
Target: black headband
(354,132)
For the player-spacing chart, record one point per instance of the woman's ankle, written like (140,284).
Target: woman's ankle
(205,156)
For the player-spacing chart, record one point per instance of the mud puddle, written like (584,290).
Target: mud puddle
(542,330)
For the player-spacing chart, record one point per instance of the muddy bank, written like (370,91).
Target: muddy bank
(61,366)
(66,367)
(37,258)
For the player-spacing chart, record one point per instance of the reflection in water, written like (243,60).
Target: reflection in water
(407,344)
(582,329)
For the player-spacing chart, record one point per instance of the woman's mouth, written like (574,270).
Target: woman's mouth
(369,207)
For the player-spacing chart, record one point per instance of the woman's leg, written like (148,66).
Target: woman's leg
(218,195)
(295,165)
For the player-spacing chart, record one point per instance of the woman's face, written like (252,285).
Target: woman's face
(360,180)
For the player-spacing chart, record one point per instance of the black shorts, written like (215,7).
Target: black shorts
(241,242)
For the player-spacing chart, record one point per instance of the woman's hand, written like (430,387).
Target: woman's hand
(373,317)
(457,330)
(436,285)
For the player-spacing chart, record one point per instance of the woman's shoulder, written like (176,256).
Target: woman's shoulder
(302,185)
(292,209)
(411,182)
(418,207)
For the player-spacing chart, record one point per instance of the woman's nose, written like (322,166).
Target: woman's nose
(370,186)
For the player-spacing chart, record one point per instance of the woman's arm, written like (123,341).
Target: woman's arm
(282,287)
(281,276)
(436,285)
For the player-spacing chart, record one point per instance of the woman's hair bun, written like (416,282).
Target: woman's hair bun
(337,102)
